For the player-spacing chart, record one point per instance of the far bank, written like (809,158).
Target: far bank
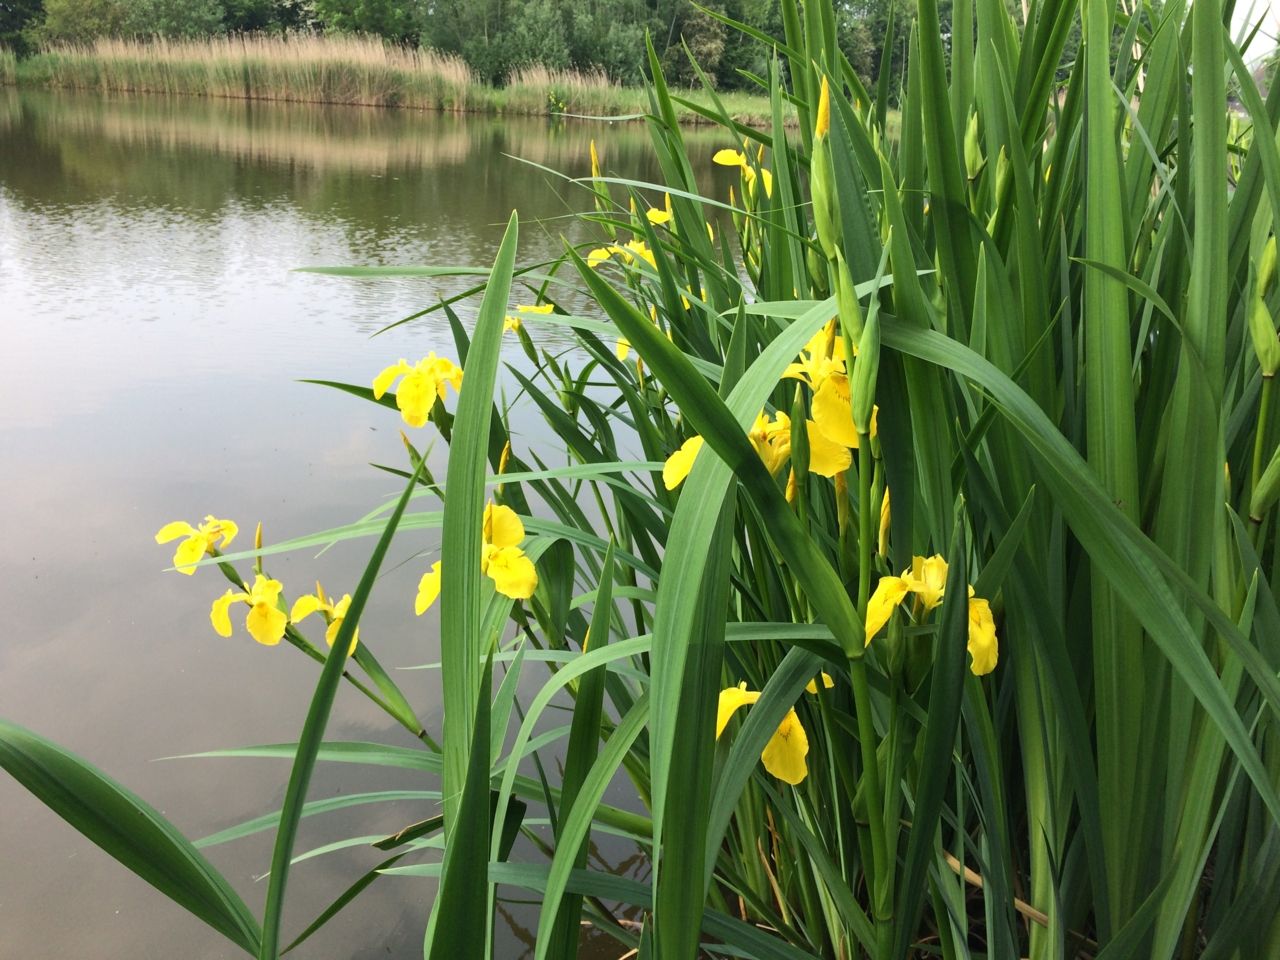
(344,70)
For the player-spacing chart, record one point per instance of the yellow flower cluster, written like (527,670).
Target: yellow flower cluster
(831,432)
(423,384)
(627,252)
(736,158)
(501,560)
(927,581)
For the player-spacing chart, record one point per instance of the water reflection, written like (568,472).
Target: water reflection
(153,337)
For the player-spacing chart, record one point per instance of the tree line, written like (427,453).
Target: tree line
(494,37)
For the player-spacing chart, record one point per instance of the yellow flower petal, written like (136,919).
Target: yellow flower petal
(826,457)
(331,634)
(266,623)
(304,607)
(543,308)
(513,574)
(502,526)
(827,683)
(888,594)
(767,176)
(784,754)
(213,528)
(598,256)
(172,531)
(657,217)
(190,552)
(415,398)
(623,348)
(927,579)
(428,589)
(729,158)
(220,616)
(833,412)
(731,700)
(382,382)
(510,323)
(680,463)
(983,646)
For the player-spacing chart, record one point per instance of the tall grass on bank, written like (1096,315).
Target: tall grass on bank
(339,69)
(936,613)
(348,69)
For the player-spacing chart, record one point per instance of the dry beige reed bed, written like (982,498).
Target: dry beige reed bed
(355,70)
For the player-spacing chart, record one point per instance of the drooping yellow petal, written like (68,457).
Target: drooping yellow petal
(502,526)
(542,308)
(305,606)
(415,398)
(927,579)
(339,613)
(598,256)
(266,623)
(190,551)
(510,323)
(172,531)
(219,614)
(680,463)
(833,412)
(784,754)
(428,589)
(731,700)
(513,574)
(766,175)
(729,158)
(382,382)
(826,457)
(658,217)
(983,646)
(888,594)
(827,683)
(622,348)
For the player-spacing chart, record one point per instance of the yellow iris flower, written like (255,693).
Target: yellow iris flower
(784,754)
(772,441)
(822,367)
(198,540)
(501,560)
(513,321)
(423,384)
(265,621)
(736,158)
(927,580)
(627,252)
(658,217)
(333,613)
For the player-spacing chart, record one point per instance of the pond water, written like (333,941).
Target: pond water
(153,337)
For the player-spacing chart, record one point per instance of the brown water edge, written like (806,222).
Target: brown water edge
(154,335)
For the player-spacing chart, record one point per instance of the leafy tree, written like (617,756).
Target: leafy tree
(399,20)
(247,16)
(173,18)
(16,16)
(80,21)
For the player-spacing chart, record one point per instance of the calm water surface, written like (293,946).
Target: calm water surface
(153,337)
